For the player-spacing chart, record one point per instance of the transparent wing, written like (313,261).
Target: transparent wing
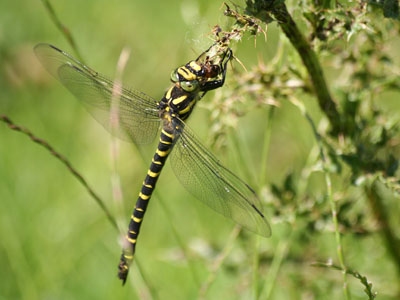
(202,174)
(138,114)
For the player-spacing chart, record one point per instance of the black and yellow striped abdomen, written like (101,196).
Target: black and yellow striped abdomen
(163,149)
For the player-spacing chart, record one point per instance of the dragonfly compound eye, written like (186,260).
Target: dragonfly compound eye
(189,86)
(174,76)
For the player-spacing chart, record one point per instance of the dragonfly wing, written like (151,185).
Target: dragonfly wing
(207,179)
(138,113)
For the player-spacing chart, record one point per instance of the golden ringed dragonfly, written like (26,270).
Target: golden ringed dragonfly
(141,118)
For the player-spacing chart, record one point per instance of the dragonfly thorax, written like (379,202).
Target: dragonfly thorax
(178,102)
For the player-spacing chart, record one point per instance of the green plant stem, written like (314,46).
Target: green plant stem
(376,201)
(216,266)
(280,254)
(64,30)
(65,161)
(265,148)
(114,125)
(329,193)
(364,280)
(328,4)
(339,248)
(150,289)
(256,266)
(277,8)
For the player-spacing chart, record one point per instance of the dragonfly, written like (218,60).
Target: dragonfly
(142,118)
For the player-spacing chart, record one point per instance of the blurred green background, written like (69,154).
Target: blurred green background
(56,243)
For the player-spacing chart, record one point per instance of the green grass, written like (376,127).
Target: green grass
(55,241)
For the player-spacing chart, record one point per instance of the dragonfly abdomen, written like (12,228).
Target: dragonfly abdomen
(149,184)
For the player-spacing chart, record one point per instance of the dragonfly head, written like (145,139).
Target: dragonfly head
(205,73)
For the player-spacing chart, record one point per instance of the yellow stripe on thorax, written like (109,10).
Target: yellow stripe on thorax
(168,93)
(179,100)
(187,108)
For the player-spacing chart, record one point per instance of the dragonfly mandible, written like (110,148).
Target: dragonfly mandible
(141,118)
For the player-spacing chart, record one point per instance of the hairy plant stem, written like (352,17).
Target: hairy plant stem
(264,9)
